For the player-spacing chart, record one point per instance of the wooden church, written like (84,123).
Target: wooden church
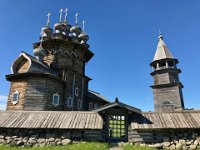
(49,95)
(55,78)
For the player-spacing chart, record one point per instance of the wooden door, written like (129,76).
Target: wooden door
(116,128)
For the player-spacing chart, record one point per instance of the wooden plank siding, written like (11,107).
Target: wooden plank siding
(23,66)
(18,85)
(50,120)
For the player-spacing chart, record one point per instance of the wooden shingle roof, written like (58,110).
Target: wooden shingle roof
(35,66)
(167,120)
(162,52)
(119,104)
(96,95)
(51,119)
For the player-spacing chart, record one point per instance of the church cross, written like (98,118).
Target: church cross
(84,24)
(61,11)
(48,19)
(66,12)
(76,18)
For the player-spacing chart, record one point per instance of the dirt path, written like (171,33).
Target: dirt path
(116,148)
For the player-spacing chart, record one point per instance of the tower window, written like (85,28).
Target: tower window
(167,105)
(79,104)
(76,91)
(56,98)
(171,64)
(162,65)
(15,97)
(90,106)
(69,101)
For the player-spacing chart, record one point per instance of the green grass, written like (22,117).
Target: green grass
(79,146)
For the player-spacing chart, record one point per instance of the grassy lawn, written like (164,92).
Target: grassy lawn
(80,146)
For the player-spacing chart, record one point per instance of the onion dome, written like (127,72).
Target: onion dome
(39,52)
(60,28)
(84,37)
(67,26)
(75,29)
(46,31)
(67,29)
(74,33)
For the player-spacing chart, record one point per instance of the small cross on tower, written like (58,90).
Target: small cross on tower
(61,11)
(76,18)
(66,13)
(84,24)
(48,19)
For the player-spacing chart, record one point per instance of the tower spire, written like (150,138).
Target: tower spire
(48,19)
(162,50)
(61,11)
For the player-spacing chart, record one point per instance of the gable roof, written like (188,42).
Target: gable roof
(162,51)
(119,104)
(35,66)
(96,95)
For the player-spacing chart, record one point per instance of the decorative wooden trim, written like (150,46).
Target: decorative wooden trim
(18,60)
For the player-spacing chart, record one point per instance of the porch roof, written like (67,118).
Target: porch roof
(119,104)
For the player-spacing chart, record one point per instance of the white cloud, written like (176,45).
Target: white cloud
(2,106)
(3,98)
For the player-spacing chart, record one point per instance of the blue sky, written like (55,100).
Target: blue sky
(123,36)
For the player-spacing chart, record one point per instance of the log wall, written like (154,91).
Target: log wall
(19,85)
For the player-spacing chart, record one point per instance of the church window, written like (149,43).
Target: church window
(90,106)
(56,98)
(96,106)
(15,97)
(79,104)
(76,91)
(69,101)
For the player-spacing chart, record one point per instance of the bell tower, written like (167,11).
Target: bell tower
(167,88)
